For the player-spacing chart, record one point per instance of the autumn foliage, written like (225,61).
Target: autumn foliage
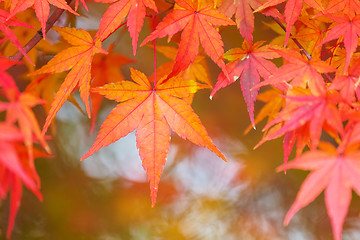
(311,94)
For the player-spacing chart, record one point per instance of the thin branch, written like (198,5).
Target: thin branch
(38,36)
(307,54)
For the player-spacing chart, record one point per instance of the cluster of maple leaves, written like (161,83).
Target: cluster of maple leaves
(312,101)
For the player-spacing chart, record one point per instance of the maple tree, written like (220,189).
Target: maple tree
(310,73)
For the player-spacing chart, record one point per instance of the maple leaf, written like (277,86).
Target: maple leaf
(249,64)
(19,110)
(337,173)
(5,21)
(300,71)
(338,58)
(9,157)
(135,10)
(310,35)
(292,11)
(302,109)
(348,7)
(14,171)
(42,9)
(197,19)
(78,58)
(151,110)
(348,86)
(349,28)
(244,17)
(25,34)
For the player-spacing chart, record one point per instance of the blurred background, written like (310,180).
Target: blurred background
(200,196)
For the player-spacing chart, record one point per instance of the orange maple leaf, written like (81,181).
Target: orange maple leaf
(349,7)
(151,110)
(310,34)
(134,10)
(197,19)
(78,58)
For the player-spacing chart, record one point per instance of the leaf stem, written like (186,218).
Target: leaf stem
(38,36)
(154,44)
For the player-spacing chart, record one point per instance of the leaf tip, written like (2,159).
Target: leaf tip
(85,156)
(47,149)
(260,143)
(153,193)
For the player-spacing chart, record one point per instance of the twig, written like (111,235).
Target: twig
(307,54)
(38,36)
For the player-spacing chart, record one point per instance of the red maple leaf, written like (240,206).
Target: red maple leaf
(152,110)
(197,19)
(16,169)
(348,86)
(244,16)
(347,27)
(300,71)
(7,20)
(135,10)
(292,11)
(19,110)
(337,173)
(307,109)
(249,64)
